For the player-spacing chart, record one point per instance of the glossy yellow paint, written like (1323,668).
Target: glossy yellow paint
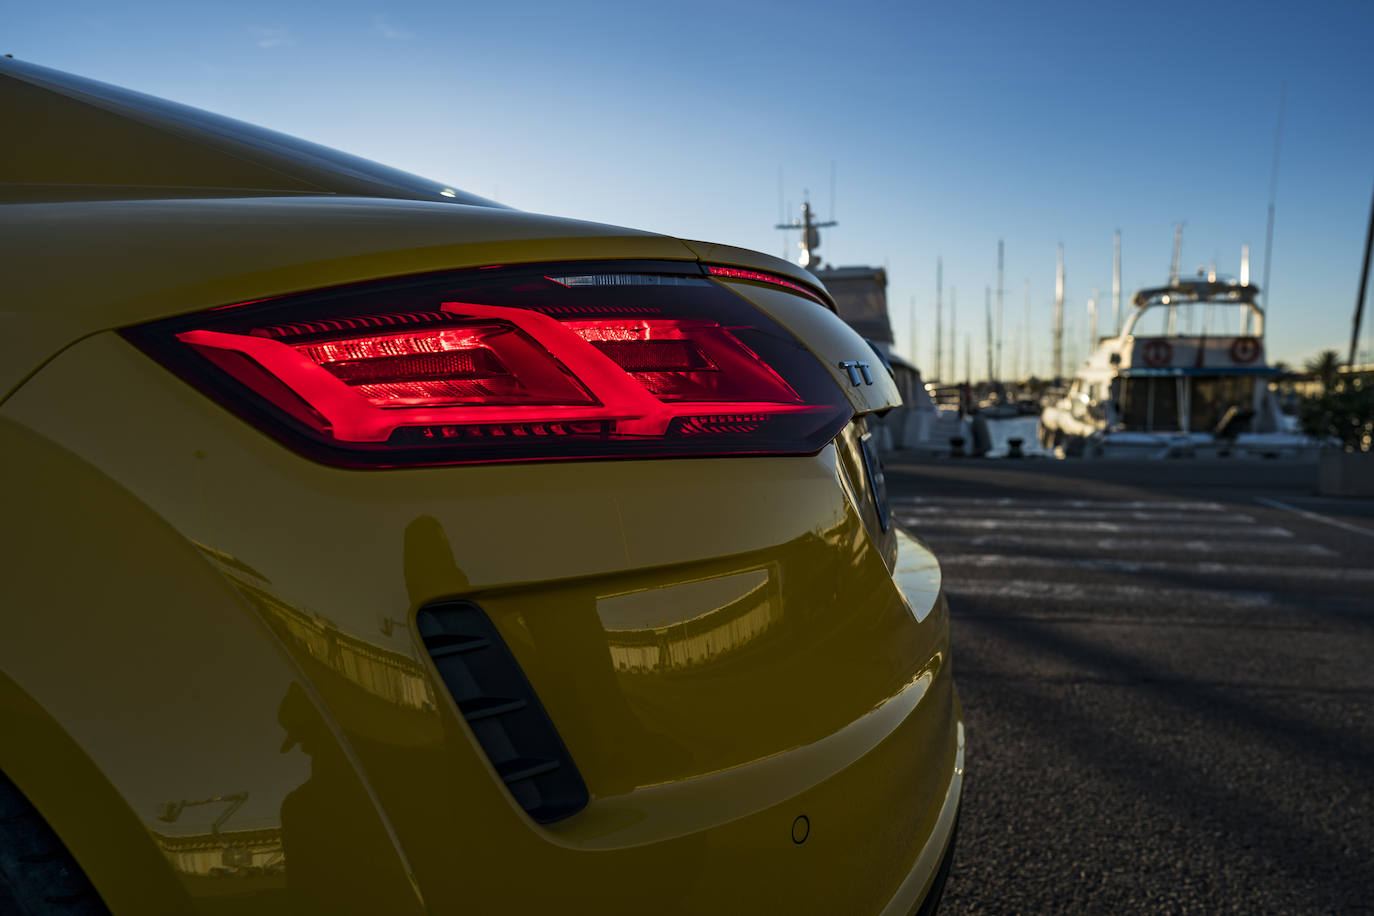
(54,150)
(814,691)
(211,668)
(159,689)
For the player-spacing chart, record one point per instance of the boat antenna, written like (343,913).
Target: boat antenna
(1206,326)
(1173,277)
(1116,282)
(1364,284)
(1273,191)
(997,373)
(939,318)
(1178,251)
(832,190)
(1059,316)
(1245,281)
(811,237)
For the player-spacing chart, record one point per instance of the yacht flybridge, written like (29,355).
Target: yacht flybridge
(1174,394)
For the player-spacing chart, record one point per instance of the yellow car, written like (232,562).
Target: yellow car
(374,548)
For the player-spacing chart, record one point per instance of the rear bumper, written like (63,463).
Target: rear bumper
(923,886)
(931,904)
(229,591)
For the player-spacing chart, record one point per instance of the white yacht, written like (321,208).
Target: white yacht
(1177,394)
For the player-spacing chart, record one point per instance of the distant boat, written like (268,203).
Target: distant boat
(1176,394)
(997,409)
(928,420)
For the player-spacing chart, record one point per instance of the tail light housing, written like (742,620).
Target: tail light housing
(603,360)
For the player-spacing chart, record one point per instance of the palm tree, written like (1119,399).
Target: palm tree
(1325,366)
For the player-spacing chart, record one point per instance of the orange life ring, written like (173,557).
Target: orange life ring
(1245,349)
(1158,352)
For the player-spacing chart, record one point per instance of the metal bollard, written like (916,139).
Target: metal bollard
(1014,448)
(982,436)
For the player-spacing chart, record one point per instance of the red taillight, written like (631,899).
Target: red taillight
(499,365)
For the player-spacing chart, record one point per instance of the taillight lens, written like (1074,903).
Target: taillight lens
(758,276)
(614,360)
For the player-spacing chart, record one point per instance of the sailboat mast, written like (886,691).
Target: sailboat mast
(1178,252)
(953,334)
(915,360)
(1026,336)
(997,366)
(987,312)
(1273,191)
(1364,285)
(1059,316)
(1245,281)
(1173,276)
(1092,322)
(939,319)
(1116,282)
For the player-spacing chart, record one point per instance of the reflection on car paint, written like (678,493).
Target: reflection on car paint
(757,784)
(225,854)
(688,623)
(918,575)
(394,676)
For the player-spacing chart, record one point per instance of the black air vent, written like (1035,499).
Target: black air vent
(502,710)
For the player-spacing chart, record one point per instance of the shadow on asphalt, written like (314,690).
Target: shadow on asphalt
(1128,777)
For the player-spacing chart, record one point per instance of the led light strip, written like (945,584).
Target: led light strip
(738,273)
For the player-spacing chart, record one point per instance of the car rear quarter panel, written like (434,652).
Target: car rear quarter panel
(135,677)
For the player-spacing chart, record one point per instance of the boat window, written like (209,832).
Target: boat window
(1212,397)
(1149,404)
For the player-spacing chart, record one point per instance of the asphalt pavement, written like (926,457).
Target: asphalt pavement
(1167,671)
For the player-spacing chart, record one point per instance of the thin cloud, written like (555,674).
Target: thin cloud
(389,31)
(274,38)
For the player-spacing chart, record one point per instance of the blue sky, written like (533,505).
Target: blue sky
(951,125)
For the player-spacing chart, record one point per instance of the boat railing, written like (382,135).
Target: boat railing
(1196,293)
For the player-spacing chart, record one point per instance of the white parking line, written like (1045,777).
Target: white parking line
(1107,594)
(1085,526)
(1345,526)
(1131,545)
(1098,564)
(960,501)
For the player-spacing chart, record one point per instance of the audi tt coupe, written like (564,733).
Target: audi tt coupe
(370,547)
